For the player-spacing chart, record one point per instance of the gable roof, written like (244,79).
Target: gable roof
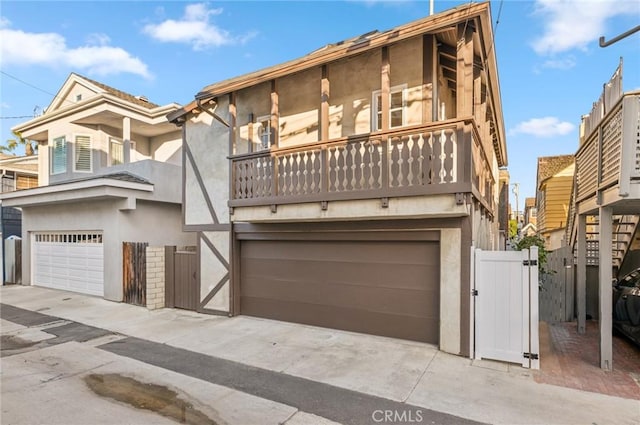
(549,166)
(138,100)
(98,88)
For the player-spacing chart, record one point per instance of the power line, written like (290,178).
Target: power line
(55,96)
(18,117)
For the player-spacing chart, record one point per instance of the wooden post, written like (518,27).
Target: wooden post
(275,114)
(581,273)
(429,79)
(385,88)
(126,140)
(324,105)
(605,290)
(232,123)
(464,71)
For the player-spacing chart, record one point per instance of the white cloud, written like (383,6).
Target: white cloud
(50,50)
(195,29)
(573,24)
(543,127)
(98,39)
(564,63)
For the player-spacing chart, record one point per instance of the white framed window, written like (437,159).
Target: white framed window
(82,154)
(59,155)
(263,130)
(397,108)
(116,152)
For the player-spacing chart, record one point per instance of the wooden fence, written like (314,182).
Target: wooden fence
(134,264)
(557,292)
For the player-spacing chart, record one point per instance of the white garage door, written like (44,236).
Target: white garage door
(72,261)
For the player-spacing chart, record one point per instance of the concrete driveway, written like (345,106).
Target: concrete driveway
(412,373)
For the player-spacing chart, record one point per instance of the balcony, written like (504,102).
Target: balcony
(608,162)
(444,157)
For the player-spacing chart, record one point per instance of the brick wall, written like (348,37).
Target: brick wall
(155,277)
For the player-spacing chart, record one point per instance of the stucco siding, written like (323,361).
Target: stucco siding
(207,166)
(254,102)
(298,102)
(353,82)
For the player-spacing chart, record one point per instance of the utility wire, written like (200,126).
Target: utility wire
(12,118)
(33,86)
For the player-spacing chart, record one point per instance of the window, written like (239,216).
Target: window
(82,154)
(116,152)
(263,130)
(397,106)
(59,155)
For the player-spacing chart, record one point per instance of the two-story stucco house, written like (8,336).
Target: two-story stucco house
(346,188)
(110,171)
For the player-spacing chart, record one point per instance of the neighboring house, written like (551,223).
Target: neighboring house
(553,184)
(529,229)
(346,188)
(503,207)
(16,173)
(530,211)
(110,171)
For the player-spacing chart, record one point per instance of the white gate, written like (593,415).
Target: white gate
(506,306)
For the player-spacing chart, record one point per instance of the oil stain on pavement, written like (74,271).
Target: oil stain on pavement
(156,398)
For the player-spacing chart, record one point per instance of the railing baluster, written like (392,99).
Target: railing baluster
(357,184)
(395,166)
(415,161)
(366,162)
(340,186)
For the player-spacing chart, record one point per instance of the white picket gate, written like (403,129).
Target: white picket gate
(505,301)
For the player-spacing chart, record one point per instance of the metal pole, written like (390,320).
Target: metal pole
(431,7)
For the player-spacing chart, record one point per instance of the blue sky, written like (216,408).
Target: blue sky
(550,66)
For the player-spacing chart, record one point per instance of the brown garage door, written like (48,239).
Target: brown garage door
(380,287)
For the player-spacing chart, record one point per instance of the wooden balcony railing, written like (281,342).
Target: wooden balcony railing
(610,155)
(442,157)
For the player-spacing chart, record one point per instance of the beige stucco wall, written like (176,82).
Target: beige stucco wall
(212,270)
(254,101)
(369,209)
(450,290)
(208,142)
(299,104)
(352,81)
(167,148)
(77,89)
(403,58)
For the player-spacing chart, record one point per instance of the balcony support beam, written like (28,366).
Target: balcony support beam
(385,88)
(126,140)
(464,71)
(275,114)
(325,87)
(581,273)
(429,78)
(605,290)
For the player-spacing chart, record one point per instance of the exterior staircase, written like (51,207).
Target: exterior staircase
(625,228)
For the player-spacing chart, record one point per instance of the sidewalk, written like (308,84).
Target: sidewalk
(398,371)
